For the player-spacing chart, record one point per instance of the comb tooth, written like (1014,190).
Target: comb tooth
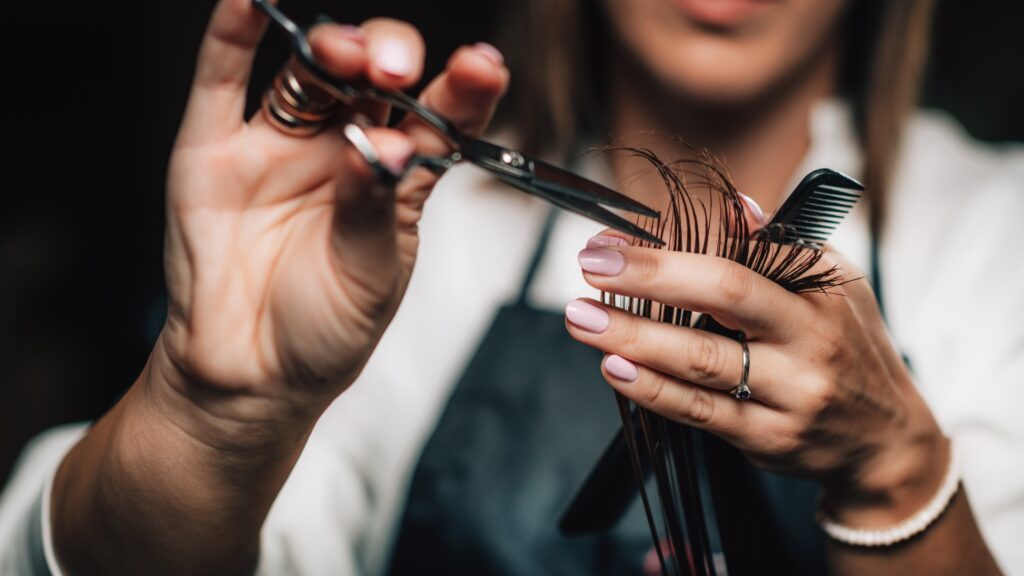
(825,227)
(816,229)
(814,226)
(836,215)
(814,218)
(823,216)
(835,212)
(834,196)
(814,222)
(810,220)
(811,236)
(836,201)
(829,204)
(835,193)
(805,238)
(806,230)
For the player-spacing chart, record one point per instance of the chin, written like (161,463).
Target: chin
(723,62)
(714,72)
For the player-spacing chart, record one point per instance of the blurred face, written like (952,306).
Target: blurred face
(726,51)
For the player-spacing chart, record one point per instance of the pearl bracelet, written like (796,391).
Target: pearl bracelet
(908,528)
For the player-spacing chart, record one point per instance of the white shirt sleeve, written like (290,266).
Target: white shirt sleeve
(954,286)
(26,544)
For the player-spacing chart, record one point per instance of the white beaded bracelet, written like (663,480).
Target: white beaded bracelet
(908,528)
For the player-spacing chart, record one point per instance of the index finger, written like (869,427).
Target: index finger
(734,295)
(465,94)
(216,102)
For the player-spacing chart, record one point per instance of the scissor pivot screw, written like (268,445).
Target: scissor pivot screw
(513,159)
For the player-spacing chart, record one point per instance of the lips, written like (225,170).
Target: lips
(723,13)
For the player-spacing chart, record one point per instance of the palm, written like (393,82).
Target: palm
(284,262)
(258,289)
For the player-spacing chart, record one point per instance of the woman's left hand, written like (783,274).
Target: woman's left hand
(831,397)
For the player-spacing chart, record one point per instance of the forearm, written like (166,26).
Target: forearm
(952,545)
(143,493)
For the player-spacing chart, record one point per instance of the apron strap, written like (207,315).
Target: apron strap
(876,275)
(538,255)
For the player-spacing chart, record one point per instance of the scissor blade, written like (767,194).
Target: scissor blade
(584,208)
(569,184)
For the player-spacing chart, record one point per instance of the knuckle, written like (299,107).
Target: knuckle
(831,350)
(629,334)
(705,359)
(819,396)
(644,267)
(784,444)
(654,391)
(828,259)
(735,284)
(780,441)
(701,407)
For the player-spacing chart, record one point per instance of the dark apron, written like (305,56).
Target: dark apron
(524,425)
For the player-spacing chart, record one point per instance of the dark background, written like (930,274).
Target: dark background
(93,96)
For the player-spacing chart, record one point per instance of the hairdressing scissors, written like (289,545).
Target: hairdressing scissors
(531,175)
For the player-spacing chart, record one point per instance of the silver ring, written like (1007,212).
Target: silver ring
(742,391)
(295,104)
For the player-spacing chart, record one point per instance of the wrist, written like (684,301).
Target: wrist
(156,467)
(893,483)
(254,419)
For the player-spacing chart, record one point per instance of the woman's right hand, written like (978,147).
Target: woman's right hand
(284,259)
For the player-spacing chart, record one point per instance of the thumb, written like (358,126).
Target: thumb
(364,239)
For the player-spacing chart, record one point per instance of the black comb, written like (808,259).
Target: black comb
(817,205)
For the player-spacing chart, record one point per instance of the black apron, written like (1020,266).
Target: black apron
(523,427)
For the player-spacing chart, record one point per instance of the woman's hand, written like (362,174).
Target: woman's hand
(284,260)
(831,397)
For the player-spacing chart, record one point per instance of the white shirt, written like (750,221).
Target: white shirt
(950,245)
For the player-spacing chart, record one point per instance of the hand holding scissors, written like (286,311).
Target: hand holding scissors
(285,259)
(526,173)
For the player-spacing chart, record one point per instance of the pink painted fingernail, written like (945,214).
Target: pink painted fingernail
(490,52)
(602,240)
(353,33)
(393,57)
(621,368)
(396,161)
(601,261)
(753,208)
(587,316)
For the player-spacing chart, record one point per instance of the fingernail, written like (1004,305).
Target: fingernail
(353,33)
(490,52)
(621,368)
(392,57)
(400,159)
(752,207)
(602,240)
(587,316)
(601,261)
